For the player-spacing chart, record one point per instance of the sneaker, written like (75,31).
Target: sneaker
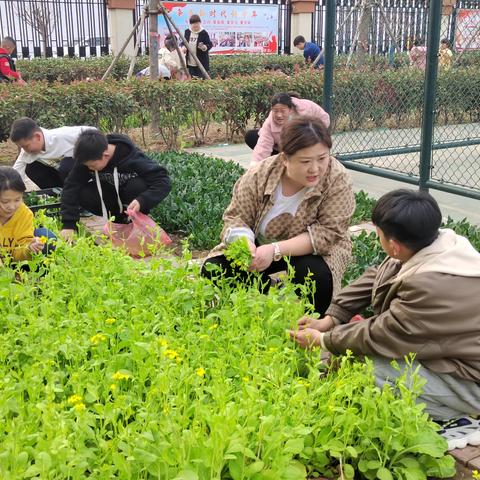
(461,432)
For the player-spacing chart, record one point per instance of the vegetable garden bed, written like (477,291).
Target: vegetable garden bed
(112,368)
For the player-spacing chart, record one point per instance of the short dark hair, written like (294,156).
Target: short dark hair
(10,179)
(170,44)
(23,129)
(298,39)
(445,41)
(194,19)
(304,132)
(411,217)
(90,145)
(9,40)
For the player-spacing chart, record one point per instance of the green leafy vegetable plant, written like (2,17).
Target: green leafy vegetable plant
(238,253)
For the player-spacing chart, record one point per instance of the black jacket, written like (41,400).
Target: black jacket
(135,161)
(203,37)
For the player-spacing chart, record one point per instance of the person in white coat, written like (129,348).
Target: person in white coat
(46,156)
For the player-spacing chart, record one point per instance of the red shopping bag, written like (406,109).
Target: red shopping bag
(139,237)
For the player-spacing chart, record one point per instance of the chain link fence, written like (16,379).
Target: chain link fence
(413,117)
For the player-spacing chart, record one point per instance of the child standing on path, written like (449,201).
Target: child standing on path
(18,238)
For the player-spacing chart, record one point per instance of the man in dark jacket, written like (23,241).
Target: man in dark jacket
(8,71)
(199,41)
(111,175)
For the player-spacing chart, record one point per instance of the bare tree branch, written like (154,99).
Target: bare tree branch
(41,18)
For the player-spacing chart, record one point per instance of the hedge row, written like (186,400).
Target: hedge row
(67,70)
(362,100)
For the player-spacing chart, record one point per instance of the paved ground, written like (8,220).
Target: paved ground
(453,205)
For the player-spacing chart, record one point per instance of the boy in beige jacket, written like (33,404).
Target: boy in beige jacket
(425,300)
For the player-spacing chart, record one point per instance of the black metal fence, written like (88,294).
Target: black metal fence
(404,20)
(80,27)
(56,27)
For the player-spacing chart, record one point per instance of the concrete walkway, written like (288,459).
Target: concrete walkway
(451,205)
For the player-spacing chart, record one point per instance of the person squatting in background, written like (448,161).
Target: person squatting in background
(284,106)
(46,156)
(310,51)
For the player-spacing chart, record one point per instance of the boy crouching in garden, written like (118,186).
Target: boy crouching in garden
(425,300)
(111,175)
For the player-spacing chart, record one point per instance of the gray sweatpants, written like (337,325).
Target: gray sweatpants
(446,397)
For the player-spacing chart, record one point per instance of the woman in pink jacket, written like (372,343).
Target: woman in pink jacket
(265,141)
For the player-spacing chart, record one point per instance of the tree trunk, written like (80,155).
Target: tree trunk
(363,37)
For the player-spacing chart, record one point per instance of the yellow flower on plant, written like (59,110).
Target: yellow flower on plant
(162,342)
(79,407)
(74,399)
(200,372)
(110,321)
(96,339)
(272,349)
(303,382)
(213,327)
(171,354)
(121,376)
(113,387)
(204,336)
(43,239)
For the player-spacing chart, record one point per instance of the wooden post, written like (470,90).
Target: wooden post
(139,39)
(119,54)
(153,38)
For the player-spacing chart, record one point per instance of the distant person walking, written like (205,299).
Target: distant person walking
(199,41)
(8,71)
(310,51)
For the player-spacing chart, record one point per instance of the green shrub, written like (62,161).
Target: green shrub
(362,100)
(67,70)
(202,190)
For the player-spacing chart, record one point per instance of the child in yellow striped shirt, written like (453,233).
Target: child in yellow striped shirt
(18,238)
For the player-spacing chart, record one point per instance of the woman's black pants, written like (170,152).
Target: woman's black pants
(313,266)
